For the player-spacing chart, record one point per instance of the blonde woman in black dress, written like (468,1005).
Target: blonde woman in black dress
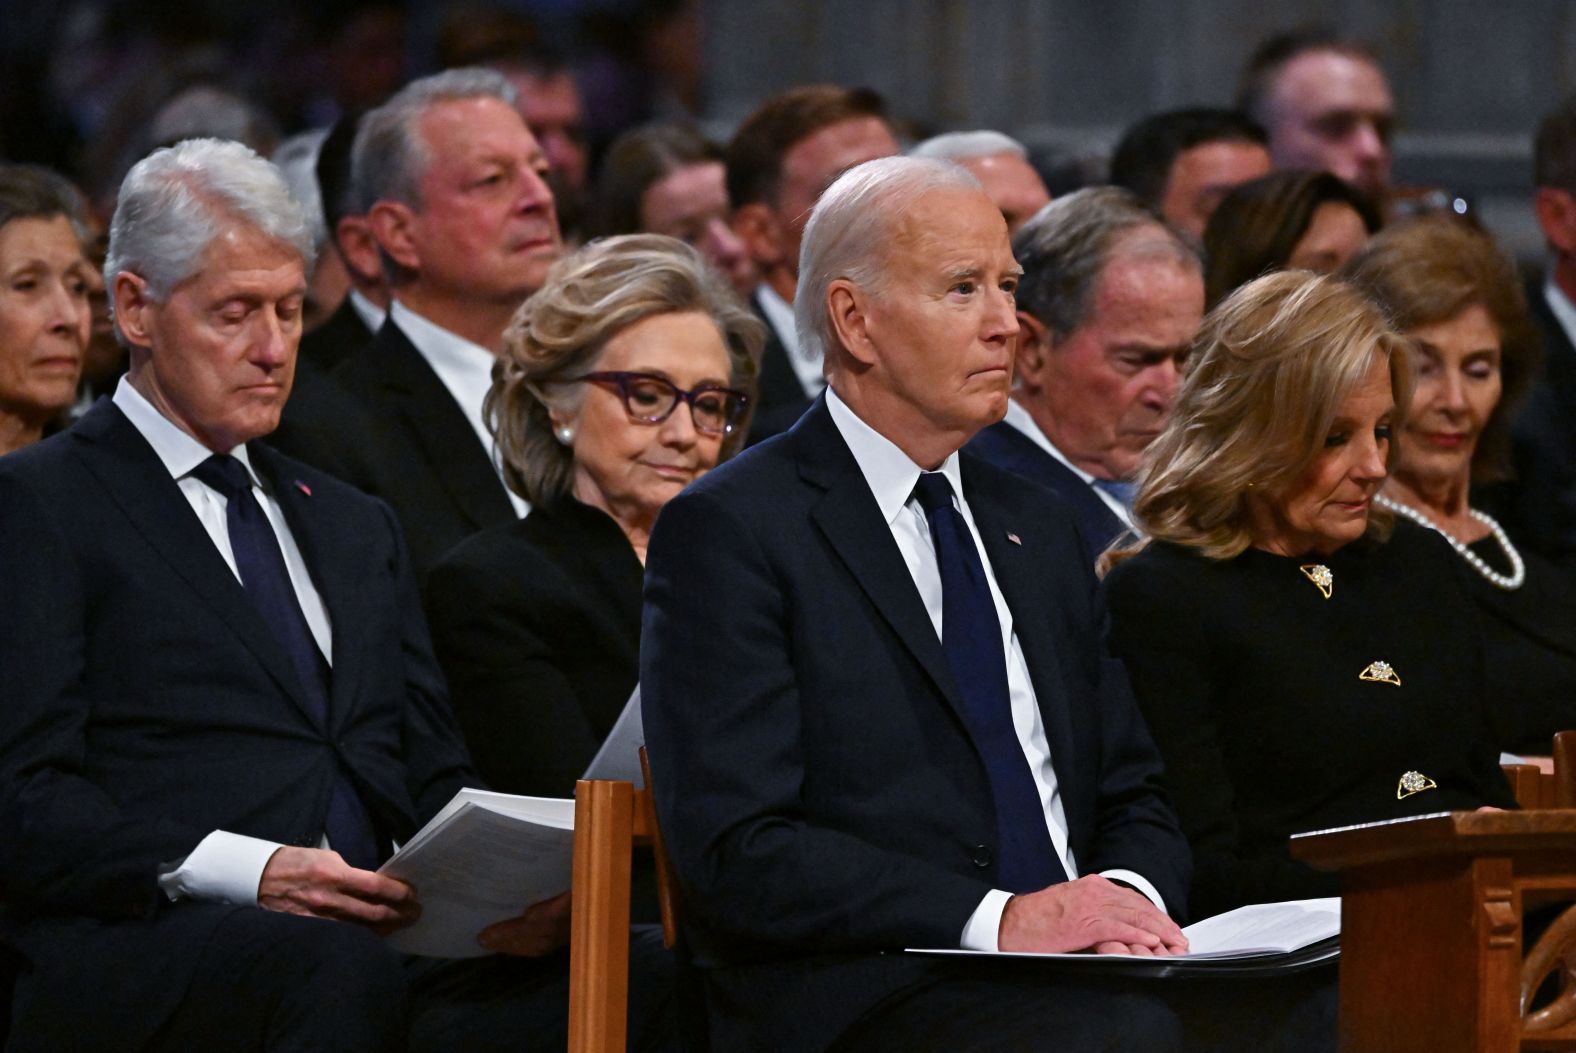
(1303,660)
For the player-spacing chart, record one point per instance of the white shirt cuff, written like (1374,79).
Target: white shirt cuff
(224,867)
(1139,882)
(984,926)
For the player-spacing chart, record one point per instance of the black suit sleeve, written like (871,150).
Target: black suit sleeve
(517,707)
(1163,639)
(64,843)
(723,719)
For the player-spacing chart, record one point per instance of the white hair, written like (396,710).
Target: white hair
(296,159)
(389,155)
(965,146)
(850,228)
(177,200)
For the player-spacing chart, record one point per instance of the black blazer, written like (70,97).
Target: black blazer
(1006,447)
(1539,507)
(147,704)
(408,442)
(1252,683)
(537,625)
(820,796)
(780,398)
(342,334)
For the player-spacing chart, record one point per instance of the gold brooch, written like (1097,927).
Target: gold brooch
(1413,782)
(1380,673)
(1320,575)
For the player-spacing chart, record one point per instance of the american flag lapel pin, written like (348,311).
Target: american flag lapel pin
(305,489)
(1014,538)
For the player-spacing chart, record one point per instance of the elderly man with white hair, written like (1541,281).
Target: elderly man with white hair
(221,705)
(1000,163)
(874,693)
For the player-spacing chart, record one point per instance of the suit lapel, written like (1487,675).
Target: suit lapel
(335,563)
(1021,568)
(851,521)
(137,481)
(441,432)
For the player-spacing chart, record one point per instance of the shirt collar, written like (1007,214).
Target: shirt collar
(448,353)
(371,314)
(1019,418)
(177,450)
(888,471)
(779,314)
(1560,304)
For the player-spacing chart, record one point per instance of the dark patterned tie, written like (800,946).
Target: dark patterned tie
(267,584)
(971,637)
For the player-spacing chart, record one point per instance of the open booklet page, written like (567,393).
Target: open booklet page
(484,858)
(1257,931)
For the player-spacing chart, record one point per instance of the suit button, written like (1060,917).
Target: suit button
(980,856)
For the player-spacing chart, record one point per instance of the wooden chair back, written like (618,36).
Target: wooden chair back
(1535,788)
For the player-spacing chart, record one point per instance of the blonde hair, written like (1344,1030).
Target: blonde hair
(557,335)
(1270,368)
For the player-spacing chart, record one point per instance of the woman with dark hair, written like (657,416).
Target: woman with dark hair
(668,179)
(1303,658)
(1451,290)
(1292,220)
(45,320)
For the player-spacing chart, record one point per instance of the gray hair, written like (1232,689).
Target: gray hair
(177,200)
(1069,243)
(965,146)
(389,155)
(850,227)
(296,159)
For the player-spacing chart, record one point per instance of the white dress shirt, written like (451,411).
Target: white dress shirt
(779,314)
(1019,418)
(371,314)
(223,866)
(1560,304)
(891,476)
(466,371)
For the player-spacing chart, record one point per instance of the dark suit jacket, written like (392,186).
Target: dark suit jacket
(1539,507)
(537,625)
(1006,447)
(409,443)
(147,704)
(781,399)
(820,796)
(342,334)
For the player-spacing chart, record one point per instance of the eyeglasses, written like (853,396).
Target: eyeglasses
(652,400)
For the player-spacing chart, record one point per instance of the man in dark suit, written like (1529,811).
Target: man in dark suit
(451,182)
(1539,507)
(868,733)
(221,705)
(779,161)
(1110,299)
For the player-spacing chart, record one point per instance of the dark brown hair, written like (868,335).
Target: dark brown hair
(636,160)
(755,154)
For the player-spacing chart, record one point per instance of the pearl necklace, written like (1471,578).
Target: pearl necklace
(1518,569)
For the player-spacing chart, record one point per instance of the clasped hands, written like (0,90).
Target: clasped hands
(1089,914)
(316,882)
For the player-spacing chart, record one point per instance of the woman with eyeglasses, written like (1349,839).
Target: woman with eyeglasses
(624,379)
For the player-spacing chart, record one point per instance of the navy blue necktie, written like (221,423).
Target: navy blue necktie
(267,584)
(971,636)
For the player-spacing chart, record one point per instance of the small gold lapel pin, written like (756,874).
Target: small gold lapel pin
(1380,673)
(1014,538)
(1413,782)
(1320,575)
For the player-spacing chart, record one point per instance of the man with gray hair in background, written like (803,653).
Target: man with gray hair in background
(1110,299)
(1000,163)
(452,184)
(222,709)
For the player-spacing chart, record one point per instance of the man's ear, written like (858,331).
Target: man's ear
(391,223)
(1556,212)
(133,307)
(758,226)
(847,305)
(358,248)
(1033,349)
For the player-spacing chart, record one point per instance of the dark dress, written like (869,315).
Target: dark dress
(1530,644)
(1251,683)
(537,626)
